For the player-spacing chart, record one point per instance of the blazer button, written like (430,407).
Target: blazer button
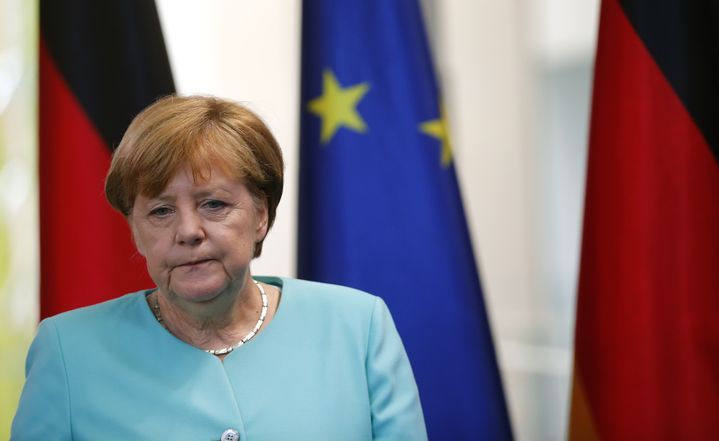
(230,435)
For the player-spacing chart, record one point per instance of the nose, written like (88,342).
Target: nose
(189,229)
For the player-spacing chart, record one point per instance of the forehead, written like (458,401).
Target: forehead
(210,179)
(196,171)
(154,166)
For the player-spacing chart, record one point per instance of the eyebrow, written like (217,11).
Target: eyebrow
(200,193)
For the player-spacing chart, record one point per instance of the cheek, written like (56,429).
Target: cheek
(234,243)
(261,218)
(157,267)
(139,245)
(134,231)
(155,252)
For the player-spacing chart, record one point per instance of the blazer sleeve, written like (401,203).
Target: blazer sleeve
(44,409)
(394,399)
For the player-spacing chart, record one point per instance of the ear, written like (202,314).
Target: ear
(135,235)
(262,221)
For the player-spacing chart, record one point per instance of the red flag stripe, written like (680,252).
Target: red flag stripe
(647,336)
(81,235)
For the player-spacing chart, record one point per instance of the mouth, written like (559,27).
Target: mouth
(194,263)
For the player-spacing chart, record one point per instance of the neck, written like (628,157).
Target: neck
(220,323)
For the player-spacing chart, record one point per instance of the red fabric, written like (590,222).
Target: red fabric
(647,337)
(87,254)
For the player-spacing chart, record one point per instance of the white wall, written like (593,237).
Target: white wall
(516,77)
(248,51)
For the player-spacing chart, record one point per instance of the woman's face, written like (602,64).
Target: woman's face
(198,237)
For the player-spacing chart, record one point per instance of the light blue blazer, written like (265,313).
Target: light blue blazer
(329,366)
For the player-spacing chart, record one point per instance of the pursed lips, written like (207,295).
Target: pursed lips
(192,263)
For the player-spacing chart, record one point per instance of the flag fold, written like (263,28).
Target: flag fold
(380,208)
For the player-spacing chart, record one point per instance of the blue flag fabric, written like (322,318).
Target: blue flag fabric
(380,208)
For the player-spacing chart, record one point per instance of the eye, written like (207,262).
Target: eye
(160,212)
(214,204)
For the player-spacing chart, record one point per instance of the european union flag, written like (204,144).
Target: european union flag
(380,209)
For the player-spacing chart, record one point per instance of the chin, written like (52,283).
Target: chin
(199,294)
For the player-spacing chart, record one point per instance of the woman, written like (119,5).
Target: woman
(212,353)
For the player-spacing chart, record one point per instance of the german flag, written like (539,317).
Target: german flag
(101,62)
(647,333)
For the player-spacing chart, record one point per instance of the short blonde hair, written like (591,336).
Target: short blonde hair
(202,132)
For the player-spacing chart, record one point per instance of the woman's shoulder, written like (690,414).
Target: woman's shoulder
(323,298)
(310,287)
(110,313)
(321,292)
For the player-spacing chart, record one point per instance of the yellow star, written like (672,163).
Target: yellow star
(337,106)
(437,128)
